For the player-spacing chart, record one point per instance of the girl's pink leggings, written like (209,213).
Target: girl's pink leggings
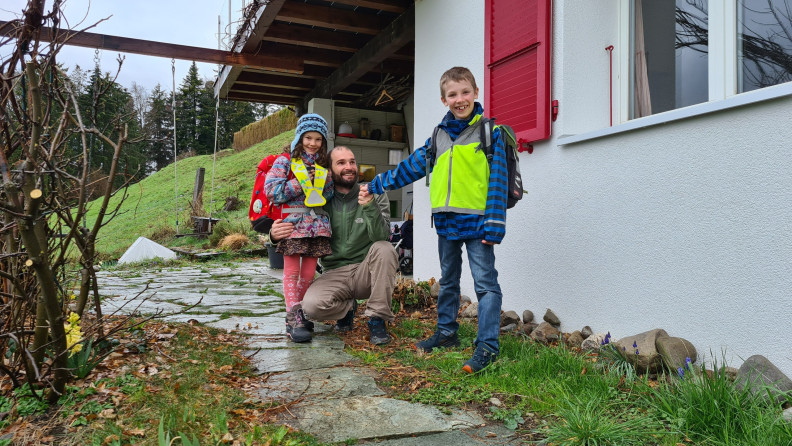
(297,277)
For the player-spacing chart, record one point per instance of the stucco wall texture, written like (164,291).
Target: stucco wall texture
(685,226)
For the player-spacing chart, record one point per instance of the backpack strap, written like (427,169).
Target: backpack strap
(487,128)
(431,153)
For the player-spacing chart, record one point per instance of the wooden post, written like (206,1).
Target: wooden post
(197,201)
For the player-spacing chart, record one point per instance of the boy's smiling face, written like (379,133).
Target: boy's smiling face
(460,97)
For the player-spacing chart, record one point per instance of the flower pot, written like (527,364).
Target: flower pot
(275,258)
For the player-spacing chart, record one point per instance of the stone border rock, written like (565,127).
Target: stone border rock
(653,351)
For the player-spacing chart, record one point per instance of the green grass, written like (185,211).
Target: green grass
(150,208)
(711,410)
(584,399)
(192,397)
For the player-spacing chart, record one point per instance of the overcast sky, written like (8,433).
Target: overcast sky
(185,22)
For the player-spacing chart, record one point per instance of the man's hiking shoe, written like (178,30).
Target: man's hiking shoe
(482,357)
(437,340)
(344,324)
(296,328)
(378,334)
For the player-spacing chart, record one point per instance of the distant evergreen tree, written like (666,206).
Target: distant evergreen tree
(188,112)
(108,107)
(233,116)
(206,120)
(158,130)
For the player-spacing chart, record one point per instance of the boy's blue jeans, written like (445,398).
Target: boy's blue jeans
(485,281)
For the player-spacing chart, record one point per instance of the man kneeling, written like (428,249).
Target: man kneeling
(363,264)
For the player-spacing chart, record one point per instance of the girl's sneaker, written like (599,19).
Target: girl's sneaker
(296,328)
(482,357)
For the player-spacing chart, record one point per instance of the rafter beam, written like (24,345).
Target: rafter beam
(281,32)
(310,56)
(160,49)
(394,36)
(332,18)
(382,5)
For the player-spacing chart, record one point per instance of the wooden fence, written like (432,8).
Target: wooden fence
(266,128)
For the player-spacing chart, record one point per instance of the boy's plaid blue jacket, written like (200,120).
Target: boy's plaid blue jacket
(492,225)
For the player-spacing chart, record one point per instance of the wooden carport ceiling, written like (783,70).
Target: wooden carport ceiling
(342,50)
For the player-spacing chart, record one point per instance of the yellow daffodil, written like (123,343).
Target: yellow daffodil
(73,333)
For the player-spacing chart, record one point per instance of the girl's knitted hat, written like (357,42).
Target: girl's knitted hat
(310,122)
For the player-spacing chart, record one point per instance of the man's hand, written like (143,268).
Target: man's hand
(364,197)
(280,230)
(486,242)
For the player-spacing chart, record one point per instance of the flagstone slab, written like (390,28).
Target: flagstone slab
(185,317)
(139,306)
(338,382)
(492,435)
(294,359)
(371,417)
(262,325)
(281,341)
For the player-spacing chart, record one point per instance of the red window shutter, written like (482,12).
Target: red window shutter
(518,55)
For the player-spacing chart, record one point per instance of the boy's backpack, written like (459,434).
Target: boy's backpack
(262,213)
(514,184)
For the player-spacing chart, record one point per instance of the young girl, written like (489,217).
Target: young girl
(302,185)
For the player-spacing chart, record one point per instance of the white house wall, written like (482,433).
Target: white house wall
(685,226)
(447,33)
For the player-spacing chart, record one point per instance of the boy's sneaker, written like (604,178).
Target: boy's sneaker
(296,328)
(378,334)
(482,357)
(438,340)
(345,324)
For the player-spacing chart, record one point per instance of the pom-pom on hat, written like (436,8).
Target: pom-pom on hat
(309,122)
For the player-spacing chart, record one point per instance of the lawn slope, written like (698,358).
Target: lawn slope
(151,206)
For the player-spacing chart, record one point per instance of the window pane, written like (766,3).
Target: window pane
(764,44)
(669,55)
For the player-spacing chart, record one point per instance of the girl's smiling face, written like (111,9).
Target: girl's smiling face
(311,142)
(460,98)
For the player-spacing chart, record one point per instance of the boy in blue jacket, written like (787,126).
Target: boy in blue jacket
(468,199)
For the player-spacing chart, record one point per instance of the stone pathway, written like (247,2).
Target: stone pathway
(336,398)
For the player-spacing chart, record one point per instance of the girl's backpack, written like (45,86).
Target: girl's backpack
(262,213)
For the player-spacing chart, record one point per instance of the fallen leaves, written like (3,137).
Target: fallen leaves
(135,432)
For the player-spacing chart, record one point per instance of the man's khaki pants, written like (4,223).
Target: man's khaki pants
(330,296)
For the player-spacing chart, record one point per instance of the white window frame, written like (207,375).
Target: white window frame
(722,76)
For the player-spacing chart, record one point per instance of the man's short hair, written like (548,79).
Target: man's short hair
(329,157)
(456,74)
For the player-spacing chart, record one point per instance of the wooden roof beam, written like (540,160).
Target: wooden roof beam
(382,5)
(252,97)
(332,18)
(394,36)
(274,80)
(168,50)
(314,37)
(310,56)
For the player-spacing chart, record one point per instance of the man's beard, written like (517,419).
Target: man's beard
(339,180)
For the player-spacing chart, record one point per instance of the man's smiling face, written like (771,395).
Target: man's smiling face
(344,167)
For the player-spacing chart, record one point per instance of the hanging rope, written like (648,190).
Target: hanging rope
(214,160)
(175,177)
(217,121)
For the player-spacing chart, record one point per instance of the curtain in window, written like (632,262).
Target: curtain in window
(643,102)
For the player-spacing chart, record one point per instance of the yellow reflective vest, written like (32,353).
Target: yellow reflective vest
(460,178)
